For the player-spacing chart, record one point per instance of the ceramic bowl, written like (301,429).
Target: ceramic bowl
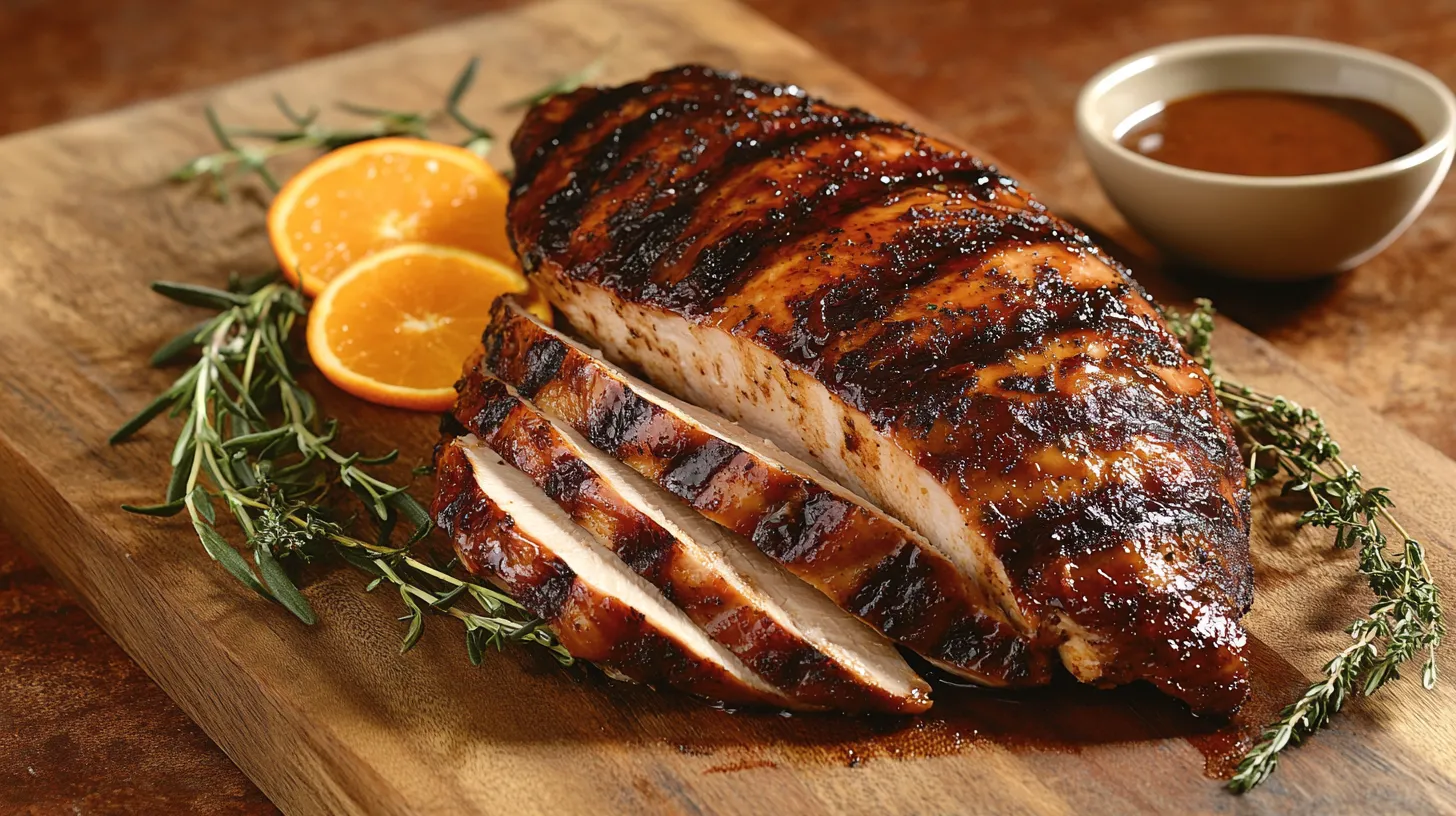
(1279,228)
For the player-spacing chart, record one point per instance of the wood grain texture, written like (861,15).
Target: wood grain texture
(331,719)
(82,728)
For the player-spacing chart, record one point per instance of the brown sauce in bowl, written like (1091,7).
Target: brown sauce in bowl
(1272,133)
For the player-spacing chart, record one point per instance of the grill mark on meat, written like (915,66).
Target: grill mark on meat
(526,440)
(640,236)
(1151,512)
(782,119)
(543,362)
(781,532)
(859,332)
(565,481)
(775,213)
(601,167)
(966,644)
(811,202)
(837,308)
(617,420)
(822,537)
(590,623)
(995,431)
(535,142)
(487,420)
(1006,432)
(689,473)
(540,582)
(891,359)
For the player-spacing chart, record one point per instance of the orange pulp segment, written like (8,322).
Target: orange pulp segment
(373,195)
(395,327)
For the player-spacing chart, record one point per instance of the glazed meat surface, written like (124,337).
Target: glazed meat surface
(910,319)
(872,566)
(507,531)
(782,629)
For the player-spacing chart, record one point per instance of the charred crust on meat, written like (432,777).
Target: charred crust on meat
(899,593)
(779,532)
(615,422)
(691,470)
(542,362)
(450,427)
(791,519)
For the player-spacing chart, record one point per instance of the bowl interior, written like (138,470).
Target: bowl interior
(1138,87)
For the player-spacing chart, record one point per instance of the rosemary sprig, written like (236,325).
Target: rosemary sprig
(240,157)
(305,132)
(251,437)
(566,84)
(1289,444)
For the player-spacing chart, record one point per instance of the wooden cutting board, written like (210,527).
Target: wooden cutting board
(330,719)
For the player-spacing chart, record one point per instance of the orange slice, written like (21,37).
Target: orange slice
(377,194)
(395,327)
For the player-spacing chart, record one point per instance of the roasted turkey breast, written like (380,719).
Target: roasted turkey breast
(887,306)
(506,530)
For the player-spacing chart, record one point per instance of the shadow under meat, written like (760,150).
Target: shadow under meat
(1065,716)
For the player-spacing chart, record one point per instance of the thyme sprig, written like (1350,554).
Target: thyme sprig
(1290,444)
(252,439)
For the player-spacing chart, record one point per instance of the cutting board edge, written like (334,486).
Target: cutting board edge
(39,535)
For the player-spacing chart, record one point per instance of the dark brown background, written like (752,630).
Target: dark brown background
(82,729)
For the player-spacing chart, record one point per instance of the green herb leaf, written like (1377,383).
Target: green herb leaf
(413,512)
(446,600)
(171,508)
(179,345)
(282,586)
(204,296)
(202,504)
(259,439)
(140,420)
(473,638)
(386,459)
(416,621)
(177,485)
(224,554)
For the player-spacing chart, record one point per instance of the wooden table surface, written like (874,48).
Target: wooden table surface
(83,727)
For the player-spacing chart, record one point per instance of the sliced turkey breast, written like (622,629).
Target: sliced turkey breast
(869,564)
(781,628)
(505,529)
